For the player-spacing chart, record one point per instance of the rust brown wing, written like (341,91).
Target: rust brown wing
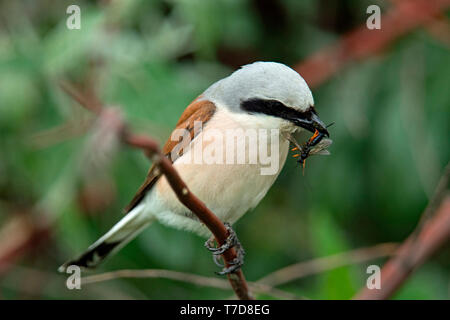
(198,110)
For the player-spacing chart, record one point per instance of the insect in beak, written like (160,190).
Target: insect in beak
(315,145)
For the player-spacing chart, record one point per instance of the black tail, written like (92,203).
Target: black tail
(119,235)
(92,257)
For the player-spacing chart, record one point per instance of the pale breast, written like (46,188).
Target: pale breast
(216,172)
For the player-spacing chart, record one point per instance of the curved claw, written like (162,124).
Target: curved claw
(231,241)
(216,259)
(236,265)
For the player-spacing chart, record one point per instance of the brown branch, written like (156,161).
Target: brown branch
(362,42)
(152,150)
(432,232)
(315,266)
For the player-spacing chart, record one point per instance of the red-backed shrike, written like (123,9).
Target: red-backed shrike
(258,101)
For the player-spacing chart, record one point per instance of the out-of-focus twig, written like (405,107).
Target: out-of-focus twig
(85,98)
(442,189)
(432,232)
(315,266)
(438,29)
(58,134)
(152,150)
(186,277)
(22,232)
(52,280)
(362,42)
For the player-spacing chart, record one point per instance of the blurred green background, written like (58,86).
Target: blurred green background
(151,58)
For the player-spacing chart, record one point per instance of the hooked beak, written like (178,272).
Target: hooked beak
(312,123)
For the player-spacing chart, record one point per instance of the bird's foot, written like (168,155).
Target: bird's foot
(232,241)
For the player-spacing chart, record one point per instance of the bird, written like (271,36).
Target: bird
(259,97)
